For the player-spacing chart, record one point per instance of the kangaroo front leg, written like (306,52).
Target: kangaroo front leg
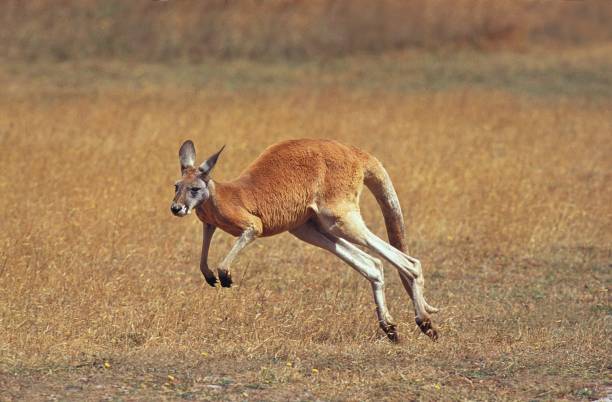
(209,275)
(224,269)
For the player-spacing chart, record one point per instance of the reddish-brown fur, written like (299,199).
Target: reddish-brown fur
(285,186)
(310,188)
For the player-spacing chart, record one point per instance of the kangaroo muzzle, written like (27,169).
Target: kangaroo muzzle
(178,209)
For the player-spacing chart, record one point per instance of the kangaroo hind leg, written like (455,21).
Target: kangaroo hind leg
(368,266)
(351,226)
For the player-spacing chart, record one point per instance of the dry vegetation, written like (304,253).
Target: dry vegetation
(501,161)
(149,30)
(506,192)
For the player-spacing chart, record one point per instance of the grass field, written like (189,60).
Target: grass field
(501,162)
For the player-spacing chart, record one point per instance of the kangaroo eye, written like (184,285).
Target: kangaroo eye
(176,188)
(195,189)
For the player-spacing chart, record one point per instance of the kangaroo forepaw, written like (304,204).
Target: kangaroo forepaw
(211,280)
(225,279)
(427,328)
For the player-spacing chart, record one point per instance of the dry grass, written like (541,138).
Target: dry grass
(173,30)
(506,195)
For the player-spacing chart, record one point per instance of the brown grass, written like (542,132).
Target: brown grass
(173,30)
(506,195)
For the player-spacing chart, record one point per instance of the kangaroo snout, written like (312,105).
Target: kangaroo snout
(178,209)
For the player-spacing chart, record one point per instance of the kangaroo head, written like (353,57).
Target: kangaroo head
(192,188)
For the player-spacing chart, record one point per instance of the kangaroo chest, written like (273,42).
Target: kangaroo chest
(207,215)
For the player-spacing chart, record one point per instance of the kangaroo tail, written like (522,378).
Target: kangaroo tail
(378,181)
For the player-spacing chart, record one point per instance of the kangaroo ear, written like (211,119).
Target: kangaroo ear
(187,155)
(209,164)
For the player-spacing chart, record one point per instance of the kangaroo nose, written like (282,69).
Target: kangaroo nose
(175,208)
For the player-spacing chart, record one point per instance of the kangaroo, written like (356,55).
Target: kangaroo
(311,189)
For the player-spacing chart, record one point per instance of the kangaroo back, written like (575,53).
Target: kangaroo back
(378,181)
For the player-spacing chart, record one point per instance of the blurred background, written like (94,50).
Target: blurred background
(179,30)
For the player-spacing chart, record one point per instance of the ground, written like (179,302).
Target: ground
(501,162)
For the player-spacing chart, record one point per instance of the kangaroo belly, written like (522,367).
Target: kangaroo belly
(287,217)
(283,225)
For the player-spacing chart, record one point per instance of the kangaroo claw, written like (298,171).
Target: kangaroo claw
(391,332)
(225,279)
(427,328)
(212,280)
